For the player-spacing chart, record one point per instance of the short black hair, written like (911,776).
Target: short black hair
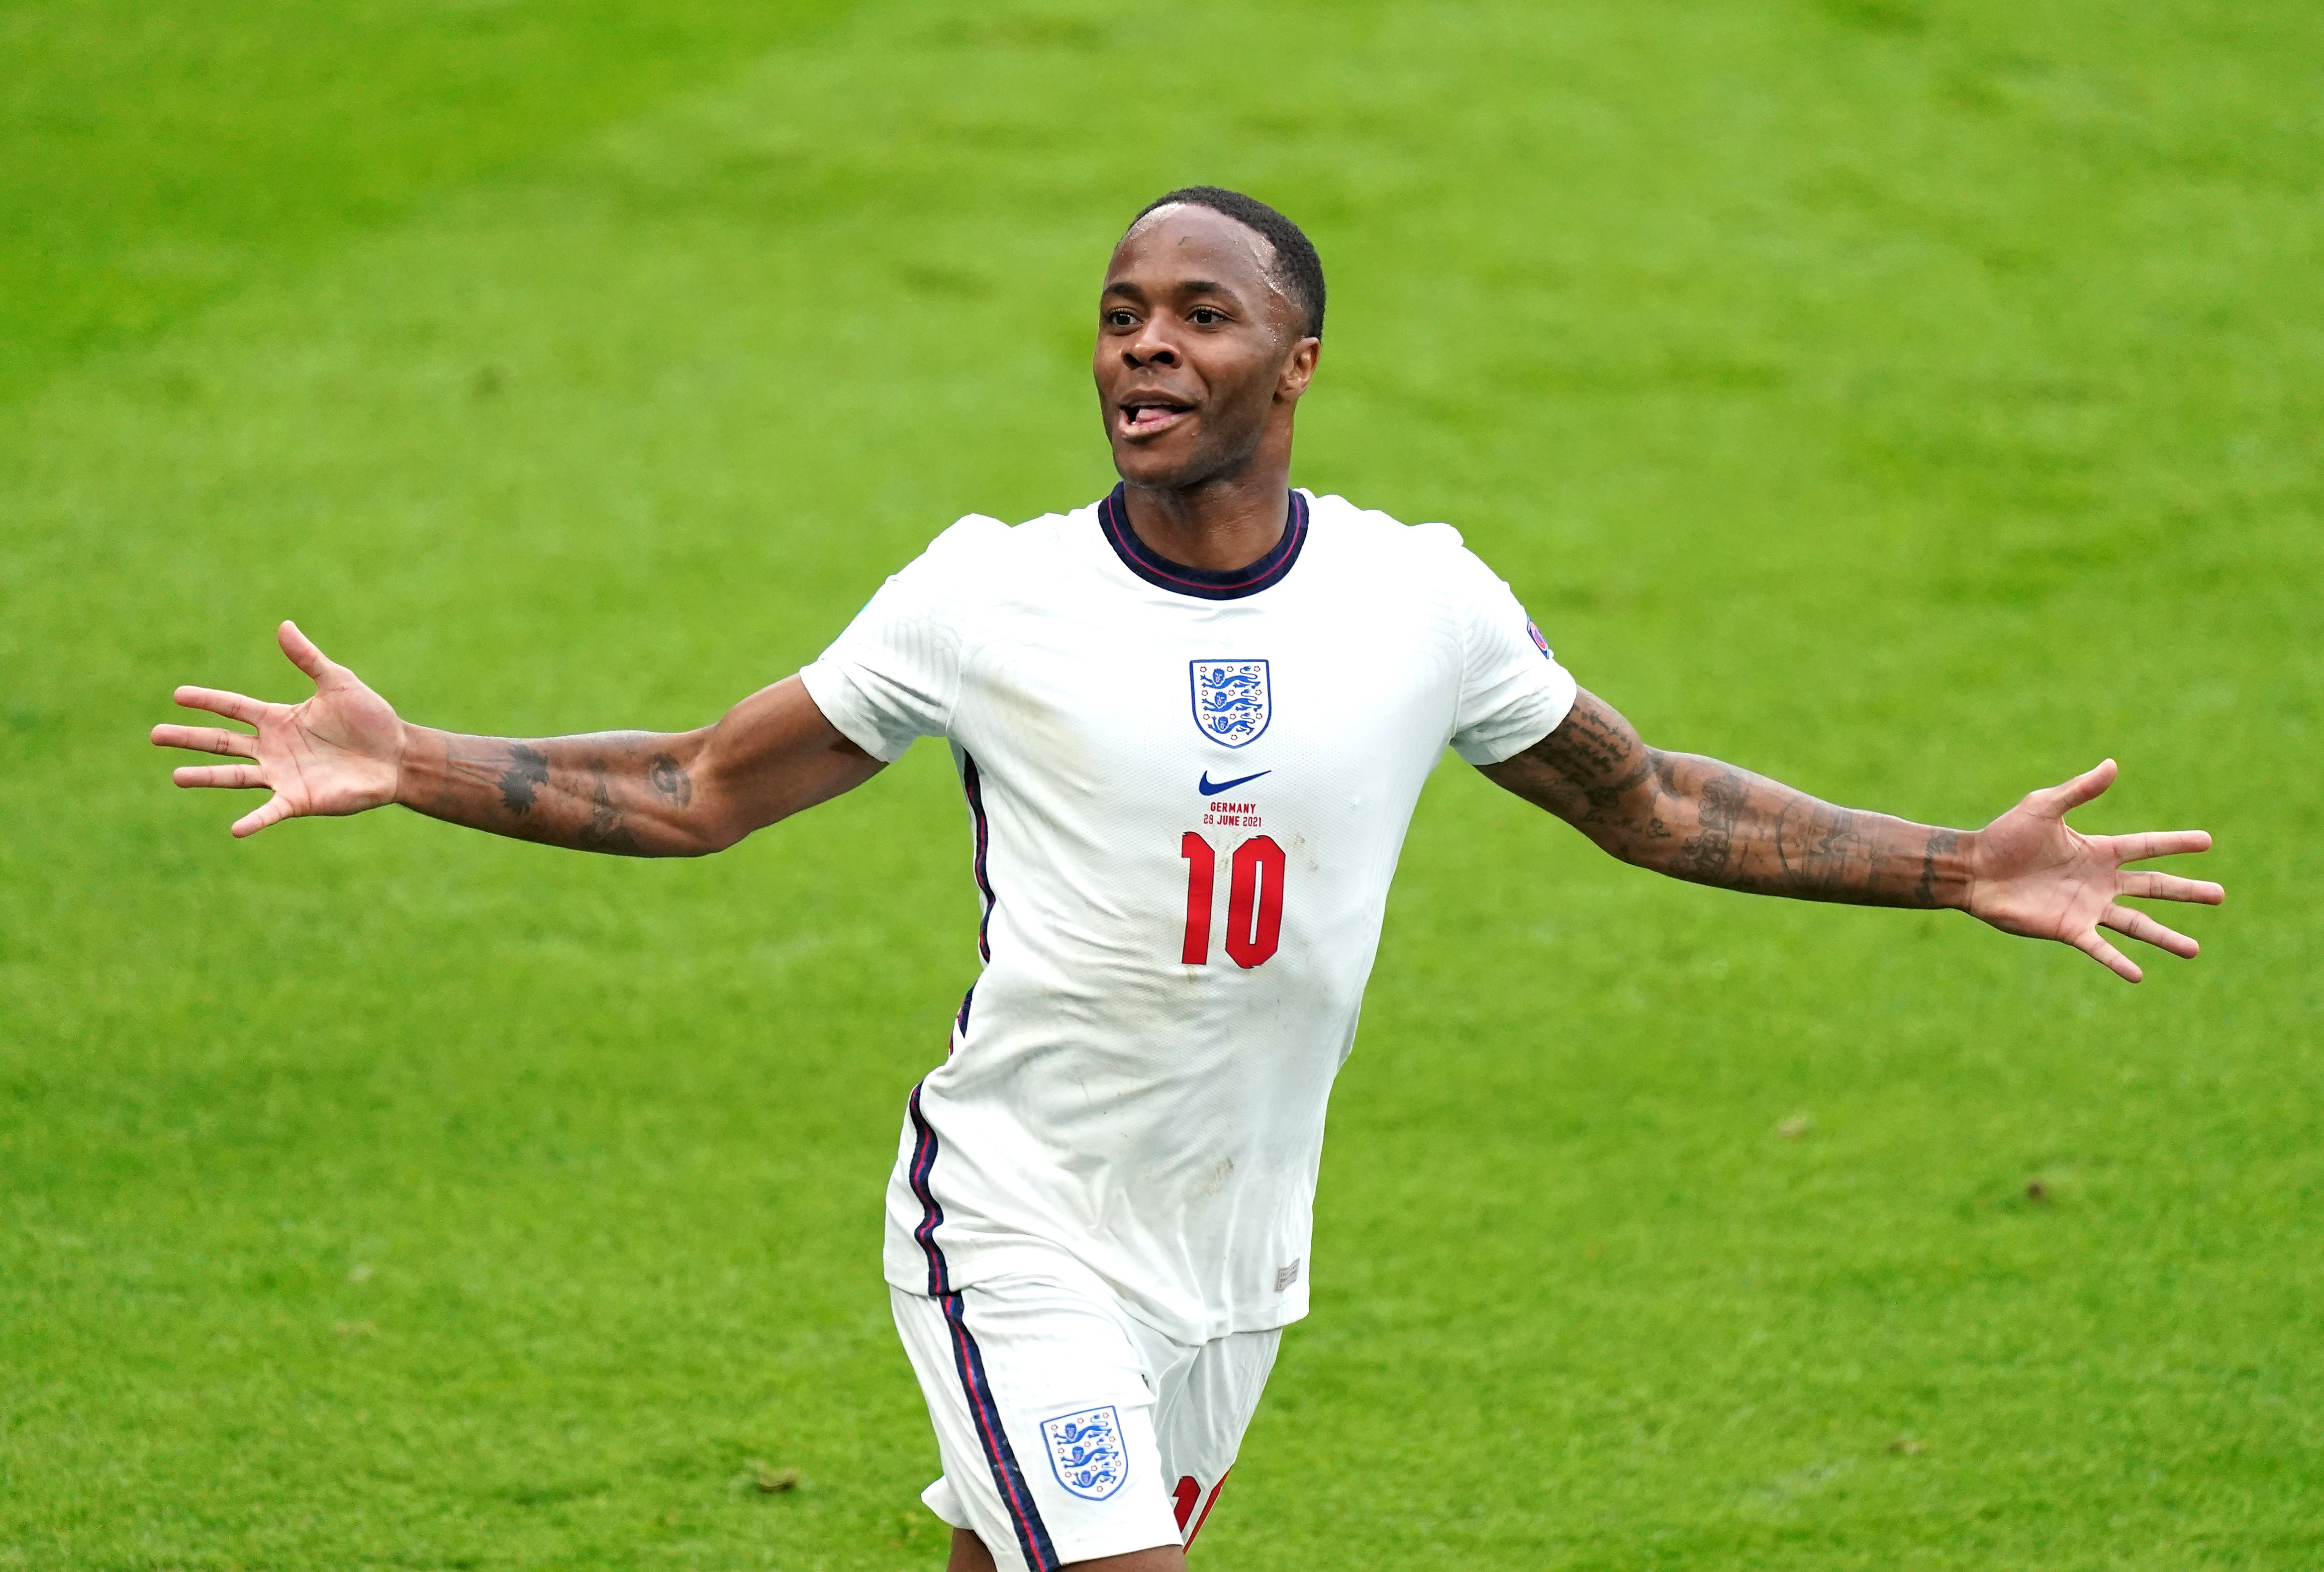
(1296,263)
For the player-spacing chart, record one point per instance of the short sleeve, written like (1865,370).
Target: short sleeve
(1513,692)
(894,674)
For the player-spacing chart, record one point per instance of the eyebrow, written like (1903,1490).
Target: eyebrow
(1193,286)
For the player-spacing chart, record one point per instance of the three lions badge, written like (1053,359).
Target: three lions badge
(1085,1452)
(1231,701)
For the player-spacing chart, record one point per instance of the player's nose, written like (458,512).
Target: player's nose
(1150,347)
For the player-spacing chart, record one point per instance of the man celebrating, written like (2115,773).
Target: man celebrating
(1192,721)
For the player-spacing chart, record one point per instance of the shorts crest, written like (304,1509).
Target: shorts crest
(1085,1452)
(1233,702)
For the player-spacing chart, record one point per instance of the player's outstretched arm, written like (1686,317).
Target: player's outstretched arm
(2027,873)
(644,794)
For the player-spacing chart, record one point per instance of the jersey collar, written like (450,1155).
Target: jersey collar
(1113,518)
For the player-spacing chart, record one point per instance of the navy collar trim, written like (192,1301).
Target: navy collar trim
(1205,584)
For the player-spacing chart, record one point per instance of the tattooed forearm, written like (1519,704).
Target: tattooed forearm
(1719,808)
(624,792)
(527,772)
(1759,835)
(1702,821)
(641,794)
(1940,847)
(606,832)
(1821,847)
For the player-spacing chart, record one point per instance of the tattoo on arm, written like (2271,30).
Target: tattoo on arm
(1941,844)
(1699,819)
(1596,750)
(669,778)
(619,792)
(647,794)
(604,832)
(1704,856)
(528,772)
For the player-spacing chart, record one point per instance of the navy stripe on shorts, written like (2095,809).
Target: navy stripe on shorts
(1007,1478)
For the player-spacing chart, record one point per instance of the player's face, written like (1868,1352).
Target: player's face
(1199,351)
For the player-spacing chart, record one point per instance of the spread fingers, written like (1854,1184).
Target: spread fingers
(2169,887)
(2071,794)
(2139,926)
(206,739)
(273,811)
(2160,843)
(236,775)
(2107,955)
(217,701)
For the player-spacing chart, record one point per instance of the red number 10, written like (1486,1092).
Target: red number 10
(1254,900)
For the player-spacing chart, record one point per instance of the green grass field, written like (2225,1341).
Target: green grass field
(1918,400)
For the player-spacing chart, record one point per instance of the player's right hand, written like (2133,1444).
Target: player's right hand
(338,752)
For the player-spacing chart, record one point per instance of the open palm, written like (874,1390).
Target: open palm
(2035,876)
(336,752)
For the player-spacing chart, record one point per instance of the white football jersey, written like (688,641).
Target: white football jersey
(1187,791)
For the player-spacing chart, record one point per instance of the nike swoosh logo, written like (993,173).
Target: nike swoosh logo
(1210,788)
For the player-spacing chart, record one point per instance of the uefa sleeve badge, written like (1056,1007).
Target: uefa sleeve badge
(1085,1452)
(1232,704)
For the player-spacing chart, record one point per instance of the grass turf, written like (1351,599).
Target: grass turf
(1914,401)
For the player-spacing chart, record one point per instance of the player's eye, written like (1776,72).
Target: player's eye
(1121,320)
(1205,317)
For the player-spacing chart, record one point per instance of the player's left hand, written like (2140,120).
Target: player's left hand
(2031,873)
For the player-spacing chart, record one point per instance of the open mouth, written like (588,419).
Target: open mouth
(1143,417)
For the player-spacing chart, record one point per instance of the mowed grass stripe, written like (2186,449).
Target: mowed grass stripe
(160,158)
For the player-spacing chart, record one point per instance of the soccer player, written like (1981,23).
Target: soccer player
(1190,721)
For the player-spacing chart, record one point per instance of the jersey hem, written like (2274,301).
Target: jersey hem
(1039,1258)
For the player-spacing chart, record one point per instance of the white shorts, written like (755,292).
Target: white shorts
(1067,1429)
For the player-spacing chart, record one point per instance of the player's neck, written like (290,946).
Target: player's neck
(1225,523)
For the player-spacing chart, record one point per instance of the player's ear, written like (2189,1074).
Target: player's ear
(1298,368)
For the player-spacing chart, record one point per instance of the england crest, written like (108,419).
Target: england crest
(1232,704)
(1085,1452)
